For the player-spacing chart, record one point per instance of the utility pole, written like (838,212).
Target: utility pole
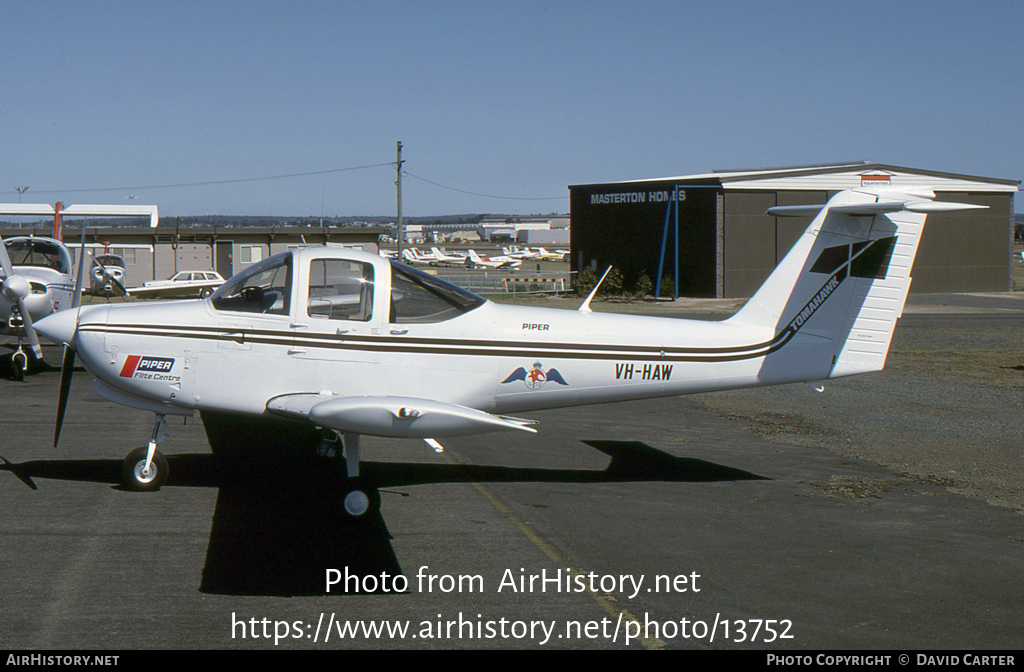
(398,183)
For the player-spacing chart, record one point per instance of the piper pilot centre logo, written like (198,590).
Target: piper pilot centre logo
(151,368)
(535,377)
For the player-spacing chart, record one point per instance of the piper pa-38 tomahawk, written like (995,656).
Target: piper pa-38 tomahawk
(338,343)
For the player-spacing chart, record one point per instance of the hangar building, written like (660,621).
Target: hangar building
(724,244)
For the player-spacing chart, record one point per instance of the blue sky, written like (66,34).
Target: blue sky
(516,100)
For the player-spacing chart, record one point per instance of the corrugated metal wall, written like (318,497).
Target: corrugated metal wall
(960,252)
(966,251)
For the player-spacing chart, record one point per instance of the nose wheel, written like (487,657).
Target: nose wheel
(145,468)
(139,477)
(19,364)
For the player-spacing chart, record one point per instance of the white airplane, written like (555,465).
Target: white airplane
(501,261)
(442,258)
(36,271)
(517,252)
(36,277)
(412,255)
(107,275)
(351,344)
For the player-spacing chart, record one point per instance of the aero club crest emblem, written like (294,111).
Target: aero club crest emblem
(536,377)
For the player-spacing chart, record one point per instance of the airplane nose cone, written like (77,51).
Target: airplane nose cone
(58,327)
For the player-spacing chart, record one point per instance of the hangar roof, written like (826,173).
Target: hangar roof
(835,176)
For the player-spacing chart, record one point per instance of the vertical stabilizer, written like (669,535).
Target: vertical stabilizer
(844,283)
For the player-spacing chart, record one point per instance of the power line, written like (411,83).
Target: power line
(473,193)
(213,182)
(179,185)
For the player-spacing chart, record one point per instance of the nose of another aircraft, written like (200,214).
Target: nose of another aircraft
(58,327)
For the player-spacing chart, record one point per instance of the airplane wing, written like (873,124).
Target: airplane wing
(518,374)
(175,289)
(398,417)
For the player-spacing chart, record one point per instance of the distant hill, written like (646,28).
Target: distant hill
(233,221)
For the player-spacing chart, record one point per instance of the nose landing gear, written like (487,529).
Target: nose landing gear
(145,468)
(19,364)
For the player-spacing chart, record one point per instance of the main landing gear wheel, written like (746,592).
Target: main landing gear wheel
(135,475)
(360,502)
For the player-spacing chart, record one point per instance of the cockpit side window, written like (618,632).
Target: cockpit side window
(265,287)
(417,297)
(340,290)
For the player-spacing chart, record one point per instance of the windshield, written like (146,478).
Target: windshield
(110,260)
(265,287)
(419,297)
(37,252)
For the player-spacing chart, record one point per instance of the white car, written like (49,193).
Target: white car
(183,284)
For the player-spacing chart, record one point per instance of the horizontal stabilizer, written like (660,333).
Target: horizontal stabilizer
(397,417)
(795,210)
(13,468)
(881,207)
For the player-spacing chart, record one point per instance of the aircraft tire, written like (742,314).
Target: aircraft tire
(135,480)
(19,365)
(360,503)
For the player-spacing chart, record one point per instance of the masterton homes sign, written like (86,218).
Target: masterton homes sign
(636,197)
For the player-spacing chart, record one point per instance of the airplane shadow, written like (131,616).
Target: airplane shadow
(278,522)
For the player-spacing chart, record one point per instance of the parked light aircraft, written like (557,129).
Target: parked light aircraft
(517,252)
(442,258)
(107,275)
(500,261)
(36,281)
(557,255)
(36,271)
(351,344)
(412,255)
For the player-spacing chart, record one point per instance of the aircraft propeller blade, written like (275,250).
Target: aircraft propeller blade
(65,388)
(68,365)
(30,332)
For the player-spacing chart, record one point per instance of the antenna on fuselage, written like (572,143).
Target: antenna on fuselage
(585,308)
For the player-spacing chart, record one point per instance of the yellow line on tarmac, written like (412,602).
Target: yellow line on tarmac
(604,600)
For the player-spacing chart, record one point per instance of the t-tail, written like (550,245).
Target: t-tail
(838,292)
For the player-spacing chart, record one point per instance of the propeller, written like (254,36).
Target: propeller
(68,364)
(16,288)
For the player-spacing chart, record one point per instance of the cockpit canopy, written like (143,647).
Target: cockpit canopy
(39,252)
(338,288)
(110,260)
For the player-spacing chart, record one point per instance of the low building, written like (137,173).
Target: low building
(158,253)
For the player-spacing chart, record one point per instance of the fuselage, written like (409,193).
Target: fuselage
(317,336)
